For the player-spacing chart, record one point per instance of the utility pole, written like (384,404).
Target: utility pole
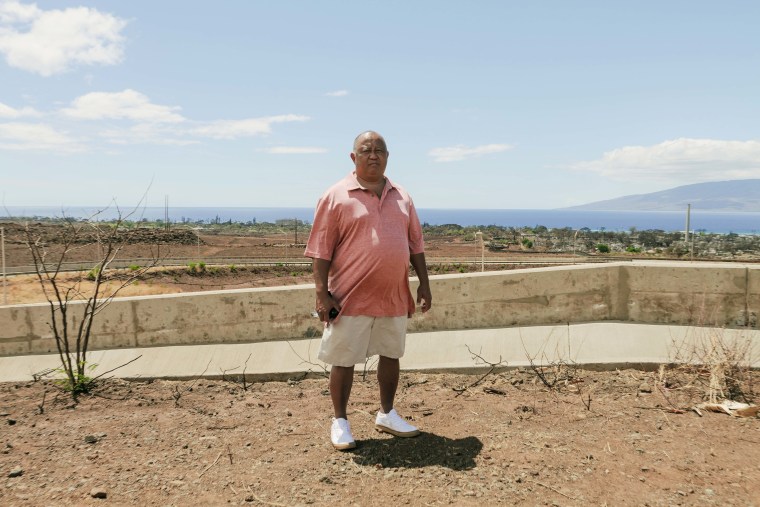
(479,235)
(575,237)
(688,224)
(5,281)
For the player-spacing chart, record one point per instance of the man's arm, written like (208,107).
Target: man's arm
(324,302)
(423,291)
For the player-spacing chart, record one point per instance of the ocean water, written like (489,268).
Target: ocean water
(716,222)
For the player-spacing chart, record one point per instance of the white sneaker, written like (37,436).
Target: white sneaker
(340,435)
(393,423)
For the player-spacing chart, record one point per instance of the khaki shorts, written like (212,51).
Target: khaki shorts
(351,340)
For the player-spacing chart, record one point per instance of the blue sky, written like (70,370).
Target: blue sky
(491,104)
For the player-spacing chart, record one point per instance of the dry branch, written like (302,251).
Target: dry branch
(72,324)
(477,357)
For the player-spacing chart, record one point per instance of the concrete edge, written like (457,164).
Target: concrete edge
(601,345)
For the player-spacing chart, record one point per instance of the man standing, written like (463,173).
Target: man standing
(365,234)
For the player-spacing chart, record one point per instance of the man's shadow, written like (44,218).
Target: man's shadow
(425,450)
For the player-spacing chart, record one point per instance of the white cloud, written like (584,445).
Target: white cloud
(53,41)
(295,150)
(251,127)
(35,136)
(147,133)
(459,152)
(144,123)
(12,11)
(170,134)
(679,160)
(126,105)
(337,93)
(9,112)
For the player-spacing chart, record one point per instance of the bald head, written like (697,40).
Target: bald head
(373,137)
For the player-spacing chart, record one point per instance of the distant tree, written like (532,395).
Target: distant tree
(650,239)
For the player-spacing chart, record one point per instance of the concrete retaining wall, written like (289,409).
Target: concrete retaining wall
(713,294)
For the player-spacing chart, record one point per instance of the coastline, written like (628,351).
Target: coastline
(717,222)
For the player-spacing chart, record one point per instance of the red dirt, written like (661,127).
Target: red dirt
(26,289)
(508,440)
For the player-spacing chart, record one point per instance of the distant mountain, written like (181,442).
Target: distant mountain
(734,195)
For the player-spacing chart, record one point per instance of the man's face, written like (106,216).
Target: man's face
(370,157)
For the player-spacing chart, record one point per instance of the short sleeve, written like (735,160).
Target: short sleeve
(416,242)
(324,231)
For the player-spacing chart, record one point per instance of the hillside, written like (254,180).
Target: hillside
(734,195)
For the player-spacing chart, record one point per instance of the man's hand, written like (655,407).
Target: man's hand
(324,303)
(424,296)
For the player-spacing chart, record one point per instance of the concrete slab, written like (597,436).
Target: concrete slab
(605,344)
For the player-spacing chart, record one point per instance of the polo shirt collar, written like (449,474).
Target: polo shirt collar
(353,182)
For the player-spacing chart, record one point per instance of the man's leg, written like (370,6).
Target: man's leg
(387,377)
(387,419)
(341,380)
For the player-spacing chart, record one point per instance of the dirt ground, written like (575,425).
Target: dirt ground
(207,246)
(221,276)
(596,438)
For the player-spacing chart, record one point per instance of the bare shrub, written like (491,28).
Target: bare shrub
(554,370)
(710,364)
(75,303)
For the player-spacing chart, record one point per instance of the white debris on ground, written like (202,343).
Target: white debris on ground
(730,407)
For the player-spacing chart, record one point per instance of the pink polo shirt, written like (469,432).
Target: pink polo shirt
(368,241)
